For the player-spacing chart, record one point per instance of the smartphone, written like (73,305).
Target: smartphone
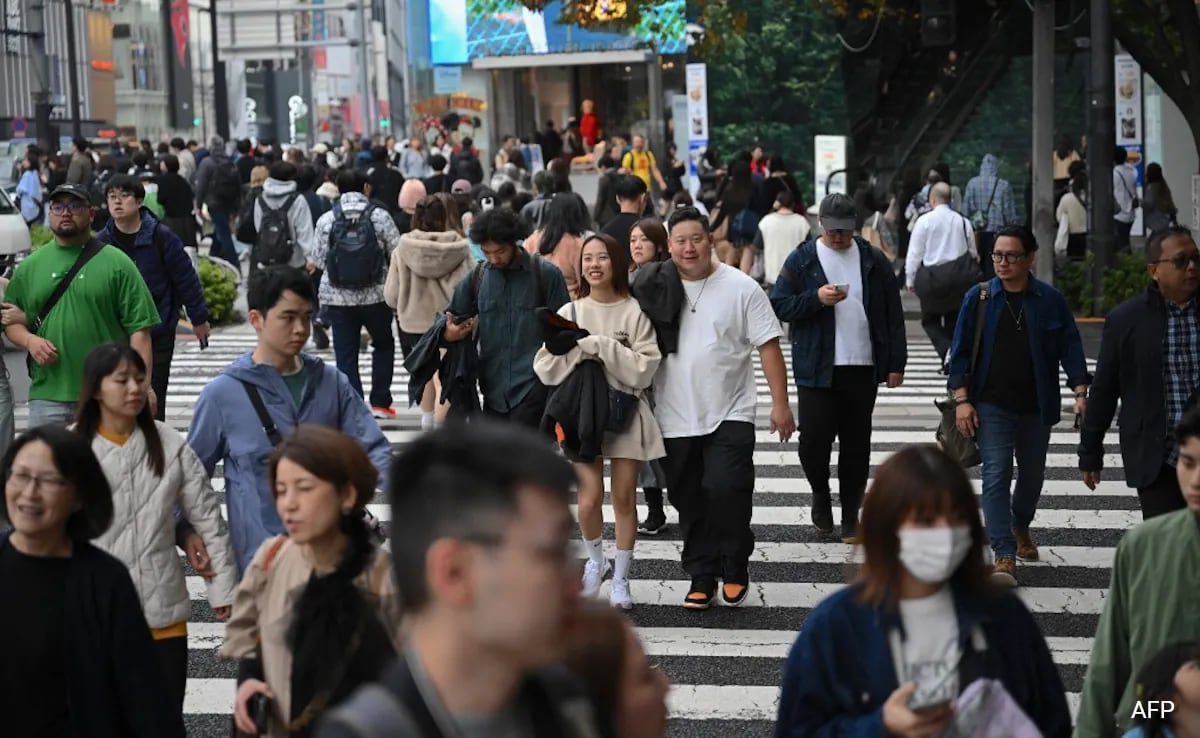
(460,319)
(917,706)
(259,707)
(843,287)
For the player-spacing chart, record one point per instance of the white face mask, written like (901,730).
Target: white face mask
(932,554)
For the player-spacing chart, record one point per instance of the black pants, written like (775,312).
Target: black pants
(842,411)
(162,351)
(710,480)
(528,411)
(985,240)
(1162,496)
(173,655)
(347,323)
(940,329)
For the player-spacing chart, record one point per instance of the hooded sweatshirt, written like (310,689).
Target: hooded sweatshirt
(226,429)
(999,208)
(276,192)
(424,271)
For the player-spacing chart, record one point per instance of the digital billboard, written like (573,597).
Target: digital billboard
(463,30)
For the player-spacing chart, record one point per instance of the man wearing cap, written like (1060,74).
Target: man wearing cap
(842,300)
(107,301)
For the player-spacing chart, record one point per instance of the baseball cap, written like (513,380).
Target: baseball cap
(460,186)
(838,213)
(76,192)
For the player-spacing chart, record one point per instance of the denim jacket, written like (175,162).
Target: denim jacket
(1053,340)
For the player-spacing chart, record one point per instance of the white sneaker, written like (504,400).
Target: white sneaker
(593,575)
(619,597)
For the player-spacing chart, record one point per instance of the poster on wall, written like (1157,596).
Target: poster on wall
(180,91)
(1127,78)
(696,86)
(829,156)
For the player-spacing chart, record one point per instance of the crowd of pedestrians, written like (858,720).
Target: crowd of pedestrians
(567,344)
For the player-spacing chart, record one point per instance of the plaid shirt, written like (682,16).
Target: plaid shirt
(1181,366)
(979,193)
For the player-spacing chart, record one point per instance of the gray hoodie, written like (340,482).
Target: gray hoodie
(276,192)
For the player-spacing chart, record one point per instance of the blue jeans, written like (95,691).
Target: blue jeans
(50,412)
(222,243)
(347,323)
(1001,435)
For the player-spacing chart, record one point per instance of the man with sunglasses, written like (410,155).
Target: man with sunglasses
(106,301)
(1150,361)
(1010,398)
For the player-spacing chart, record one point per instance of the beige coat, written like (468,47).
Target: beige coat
(262,612)
(425,269)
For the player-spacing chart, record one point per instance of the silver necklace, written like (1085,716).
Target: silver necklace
(1017,316)
(691,304)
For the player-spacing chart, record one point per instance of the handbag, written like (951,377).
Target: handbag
(949,438)
(622,406)
(979,218)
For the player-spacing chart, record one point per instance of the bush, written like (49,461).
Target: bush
(40,235)
(1126,278)
(220,291)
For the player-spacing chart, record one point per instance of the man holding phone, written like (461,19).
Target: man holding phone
(841,297)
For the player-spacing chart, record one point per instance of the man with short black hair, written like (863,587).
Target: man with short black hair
(166,269)
(187,160)
(499,297)
(631,193)
(292,388)
(1150,363)
(352,255)
(219,188)
(481,550)
(385,181)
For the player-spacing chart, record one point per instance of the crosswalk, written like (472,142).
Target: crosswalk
(726,664)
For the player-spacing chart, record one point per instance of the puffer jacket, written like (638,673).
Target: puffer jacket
(424,271)
(142,535)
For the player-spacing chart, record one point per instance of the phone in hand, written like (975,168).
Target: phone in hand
(460,319)
(843,288)
(924,706)
(259,707)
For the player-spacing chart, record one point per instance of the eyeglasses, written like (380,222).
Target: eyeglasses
(21,480)
(1182,261)
(116,196)
(74,207)
(1012,257)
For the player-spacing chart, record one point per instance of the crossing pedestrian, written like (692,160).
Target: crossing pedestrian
(317,613)
(779,233)
(482,556)
(495,303)
(152,472)
(706,402)
(425,268)
(630,193)
(1009,400)
(841,298)
(79,660)
(282,221)
(352,248)
(260,398)
(619,336)
(219,189)
(892,653)
(565,225)
(167,270)
(1151,590)
(1150,364)
(114,304)
(988,202)
(1125,197)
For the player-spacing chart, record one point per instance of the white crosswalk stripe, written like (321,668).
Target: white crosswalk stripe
(726,664)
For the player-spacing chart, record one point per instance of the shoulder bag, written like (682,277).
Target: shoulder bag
(949,438)
(90,249)
(622,406)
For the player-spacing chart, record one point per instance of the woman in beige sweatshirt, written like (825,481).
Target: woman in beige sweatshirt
(623,340)
(428,264)
(564,227)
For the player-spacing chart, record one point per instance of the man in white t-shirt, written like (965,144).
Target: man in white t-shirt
(843,303)
(706,402)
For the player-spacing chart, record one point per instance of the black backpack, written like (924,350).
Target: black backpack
(246,232)
(355,259)
(226,187)
(276,244)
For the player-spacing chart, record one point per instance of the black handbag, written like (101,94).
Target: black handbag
(950,439)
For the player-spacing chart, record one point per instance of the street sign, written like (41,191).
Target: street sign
(19,126)
(447,80)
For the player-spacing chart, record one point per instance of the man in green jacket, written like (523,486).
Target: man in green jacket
(1154,599)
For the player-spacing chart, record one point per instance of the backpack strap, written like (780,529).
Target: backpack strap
(476,284)
(272,552)
(264,417)
(980,311)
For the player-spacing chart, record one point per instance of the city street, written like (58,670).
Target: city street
(726,664)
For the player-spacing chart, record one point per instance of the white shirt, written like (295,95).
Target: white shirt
(852,333)
(781,234)
(710,378)
(930,649)
(1124,190)
(939,237)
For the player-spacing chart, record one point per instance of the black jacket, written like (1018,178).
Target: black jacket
(115,683)
(1130,369)
(580,406)
(659,292)
(458,370)
(385,185)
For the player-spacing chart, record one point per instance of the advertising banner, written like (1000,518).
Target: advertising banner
(829,156)
(1127,77)
(696,86)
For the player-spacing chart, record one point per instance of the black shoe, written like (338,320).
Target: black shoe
(655,522)
(702,593)
(320,337)
(850,533)
(822,513)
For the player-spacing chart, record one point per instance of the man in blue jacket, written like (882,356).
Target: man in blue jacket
(294,388)
(843,302)
(166,268)
(1010,399)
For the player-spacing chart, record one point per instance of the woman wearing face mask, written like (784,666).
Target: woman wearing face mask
(628,693)
(890,654)
(1171,675)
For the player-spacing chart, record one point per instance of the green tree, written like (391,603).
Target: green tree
(1164,37)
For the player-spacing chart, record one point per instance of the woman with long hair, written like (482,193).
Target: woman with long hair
(921,623)
(78,658)
(317,613)
(734,210)
(1072,209)
(425,268)
(1158,207)
(622,339)
(1171,676)
(152,472)
(560,238)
